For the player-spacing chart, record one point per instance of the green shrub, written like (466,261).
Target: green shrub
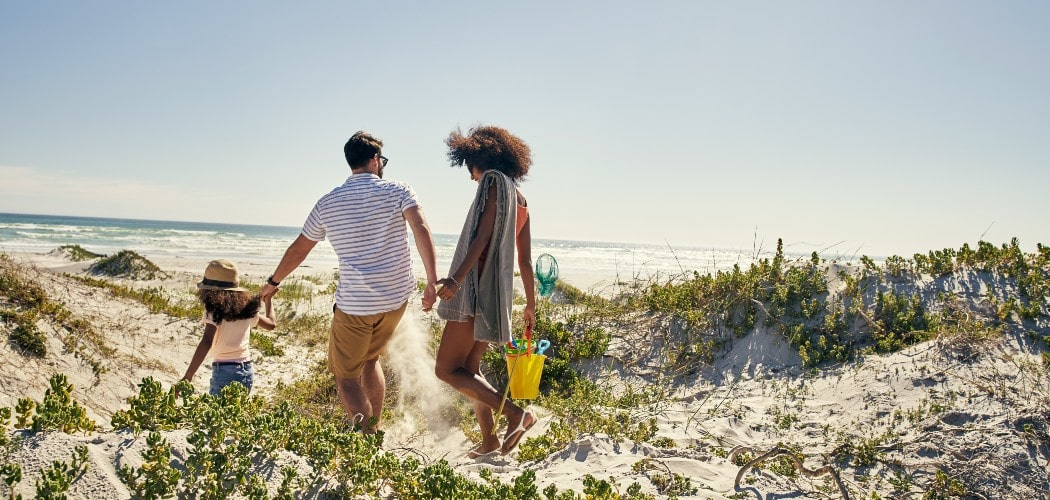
(78,253)
(153,408)
(128,264)
(902,321)
(231,432)
(25,335)
(156,478)
(55,480)
(59,412)
(17,287)
(266,344)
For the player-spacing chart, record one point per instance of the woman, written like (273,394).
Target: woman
(477,294)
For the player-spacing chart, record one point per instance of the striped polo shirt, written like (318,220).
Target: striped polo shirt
(364,221)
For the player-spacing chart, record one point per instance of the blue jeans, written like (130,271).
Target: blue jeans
(224,375)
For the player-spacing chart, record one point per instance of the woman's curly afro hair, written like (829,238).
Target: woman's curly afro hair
(486,148)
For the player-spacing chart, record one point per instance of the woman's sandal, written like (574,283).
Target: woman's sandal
(512,439)
(476,453)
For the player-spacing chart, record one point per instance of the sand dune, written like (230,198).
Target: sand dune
(973,411)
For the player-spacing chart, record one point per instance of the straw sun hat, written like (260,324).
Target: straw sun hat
(221,274)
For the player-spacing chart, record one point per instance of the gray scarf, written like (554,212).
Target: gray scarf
(487,294)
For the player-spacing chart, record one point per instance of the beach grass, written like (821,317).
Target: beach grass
(128,264)
(157,299)
(835,317)
(78,253)
(24,302)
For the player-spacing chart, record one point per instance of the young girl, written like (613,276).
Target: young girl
(229,315)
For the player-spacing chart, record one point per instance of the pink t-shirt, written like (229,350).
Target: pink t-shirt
(231,338)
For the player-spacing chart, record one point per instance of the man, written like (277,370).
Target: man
(364,219)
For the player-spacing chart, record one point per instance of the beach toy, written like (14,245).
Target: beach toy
(525,371)
(546,273)
(524,368)
(542,346)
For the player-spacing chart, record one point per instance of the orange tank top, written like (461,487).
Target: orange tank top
(522,217)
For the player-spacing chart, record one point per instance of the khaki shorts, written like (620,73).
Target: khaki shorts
(356,339)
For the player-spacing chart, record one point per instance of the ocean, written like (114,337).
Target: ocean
(585,264)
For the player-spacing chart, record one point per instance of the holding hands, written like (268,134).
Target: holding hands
(449,288)
(429,296)
(270,288)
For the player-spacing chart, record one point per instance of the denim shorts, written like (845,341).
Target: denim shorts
(223,375)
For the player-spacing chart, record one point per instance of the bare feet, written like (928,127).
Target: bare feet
(511,439)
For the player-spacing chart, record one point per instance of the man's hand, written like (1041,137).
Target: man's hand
(429,296)
(268,290)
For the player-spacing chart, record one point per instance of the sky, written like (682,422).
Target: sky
(881,127)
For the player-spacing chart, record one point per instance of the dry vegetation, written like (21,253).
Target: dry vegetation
(923,377)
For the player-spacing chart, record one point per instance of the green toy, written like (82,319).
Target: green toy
(546,273)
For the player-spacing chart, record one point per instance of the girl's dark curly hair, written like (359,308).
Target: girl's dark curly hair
(486,148)
(229,305)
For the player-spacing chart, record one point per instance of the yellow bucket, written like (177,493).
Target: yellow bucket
(524,371)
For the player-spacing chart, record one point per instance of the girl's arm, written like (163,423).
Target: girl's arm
(268,322)
(202,350)
(451,285)
(524,244)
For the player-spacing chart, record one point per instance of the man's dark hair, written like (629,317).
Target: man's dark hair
(360,148)
(486,148)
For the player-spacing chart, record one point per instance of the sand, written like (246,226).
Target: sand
(947,406)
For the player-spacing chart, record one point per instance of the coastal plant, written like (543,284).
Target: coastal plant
(77,253)
(153,408)
(867,313)
(56,479)
(21,301)
(155,478)
(894,265)
(17,286)
(901,321)
(156,299)
(295,291)
(667,483)
(944,487)
(12,474)
(24,302)
(594,488)
(587,405)
(861,451)
(569,342)
(673,484)
(265,344)
(290,484)
(58,411)
(308,328)
(314,395)
(26,336)
(128,264)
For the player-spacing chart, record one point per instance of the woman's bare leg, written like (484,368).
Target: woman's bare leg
(484,414)
(454,368)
